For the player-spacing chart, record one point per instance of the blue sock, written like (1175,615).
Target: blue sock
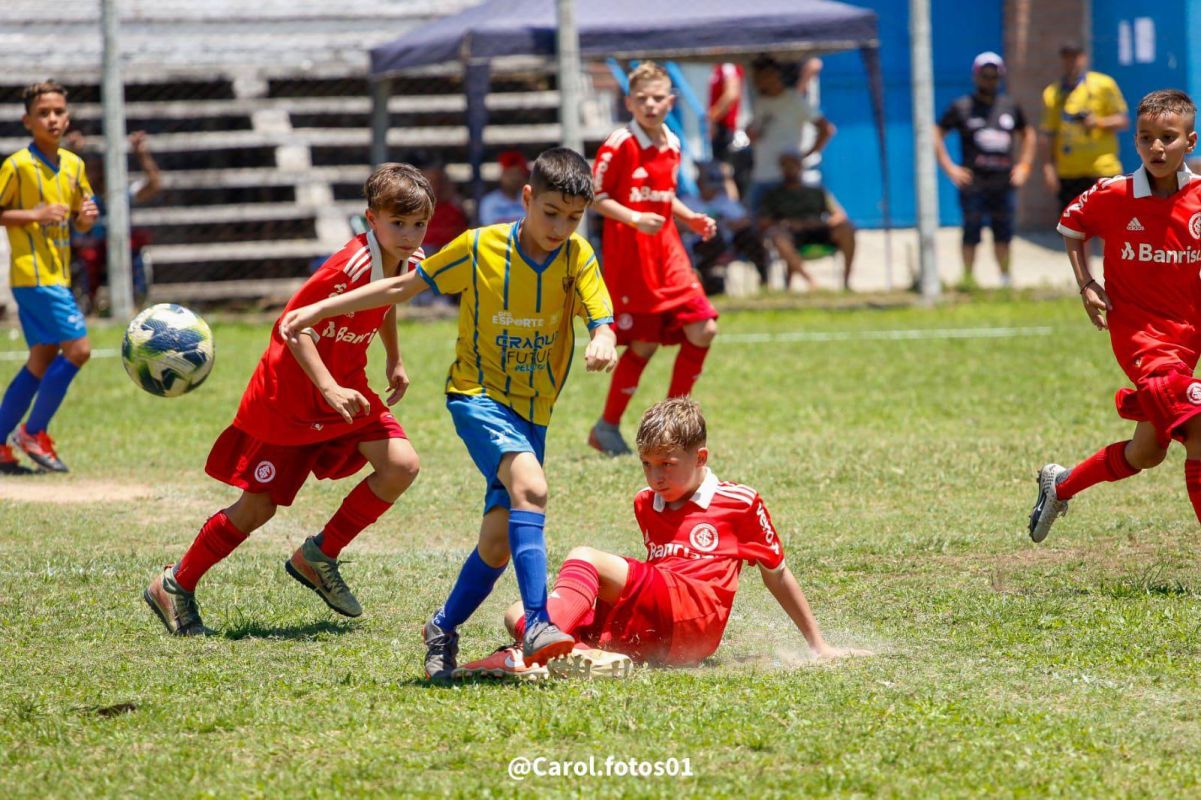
(528,546)
(58,377)
(17,398)
(474,583)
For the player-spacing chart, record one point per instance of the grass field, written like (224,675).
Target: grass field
(899,468)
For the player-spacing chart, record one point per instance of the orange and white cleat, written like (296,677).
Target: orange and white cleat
(506,662)
(39,447)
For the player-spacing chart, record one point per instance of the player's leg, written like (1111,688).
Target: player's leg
(1000,213)
(690,360)
(785,244)
(587,574)
(843,237)
(972,205)
(171,595)
(606,434)
(18,397)
(1192,463)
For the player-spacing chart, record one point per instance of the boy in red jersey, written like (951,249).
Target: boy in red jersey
(308,408)
(672,608)
(657,297)
(1150,222)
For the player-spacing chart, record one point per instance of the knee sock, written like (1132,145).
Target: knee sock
(1192,481)
(689,363)
(17,397)
(474,583)
(1106,465)
(528,546)
(360,508)
(217,539)
(624,384)
(50,395)
(574,594)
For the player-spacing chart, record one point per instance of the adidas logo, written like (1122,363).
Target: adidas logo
(1134,225)
(640,173)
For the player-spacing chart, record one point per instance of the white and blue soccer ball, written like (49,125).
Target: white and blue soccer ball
(168,350)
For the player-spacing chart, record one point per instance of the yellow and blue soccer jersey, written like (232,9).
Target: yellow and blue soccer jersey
(41,254)
(516,334)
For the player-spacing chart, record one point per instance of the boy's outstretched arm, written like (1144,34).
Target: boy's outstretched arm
(386,292)
(347,402)
(602,349)
(1096,301)
(702,225)
(644,221)
(784,587)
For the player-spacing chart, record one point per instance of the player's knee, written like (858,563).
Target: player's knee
(78,352)
(1147,458)
(398,474)
(530,493)
(644,350)
(582,553)
(706,334)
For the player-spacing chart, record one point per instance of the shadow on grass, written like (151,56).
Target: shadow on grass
(483,680)
(248,629)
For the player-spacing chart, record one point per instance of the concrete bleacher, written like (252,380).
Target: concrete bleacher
(258,115)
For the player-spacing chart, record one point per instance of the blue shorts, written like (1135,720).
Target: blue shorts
(49,314)
(490,430)
(990,197)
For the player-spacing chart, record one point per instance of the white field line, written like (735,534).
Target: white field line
(21,355)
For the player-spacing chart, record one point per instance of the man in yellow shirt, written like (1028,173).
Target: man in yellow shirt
(1082,114)
(42,190)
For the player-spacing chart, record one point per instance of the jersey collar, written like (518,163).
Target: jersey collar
(701,498)
(37,153)
(644,139)
(377,258)
(1142,183)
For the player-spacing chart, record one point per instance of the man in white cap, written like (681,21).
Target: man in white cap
(998,151)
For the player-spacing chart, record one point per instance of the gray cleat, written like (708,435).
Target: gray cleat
(1048,507)
(174,606)
(441,652)
(607,438)
(544,641)
(320,573)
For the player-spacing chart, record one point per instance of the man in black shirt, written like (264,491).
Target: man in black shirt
(998,150)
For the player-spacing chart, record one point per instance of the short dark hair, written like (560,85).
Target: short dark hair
(563,170)
(399,189)
(35,90)
(1168,101)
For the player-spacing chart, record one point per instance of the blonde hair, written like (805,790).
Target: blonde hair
(673,423)
(647,71)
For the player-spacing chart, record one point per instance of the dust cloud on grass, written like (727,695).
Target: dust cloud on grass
(50,489)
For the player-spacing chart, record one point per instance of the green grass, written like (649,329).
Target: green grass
(900,474)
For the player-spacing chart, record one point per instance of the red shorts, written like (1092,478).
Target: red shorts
(664,327)
(279,470)
(644,624)
(1167,400)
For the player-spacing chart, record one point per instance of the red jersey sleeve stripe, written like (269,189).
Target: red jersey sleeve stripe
(1069,232)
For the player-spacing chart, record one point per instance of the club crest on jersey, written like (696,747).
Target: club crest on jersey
(1194,394)
(625,321)
(1194,225)
(264,472)
(703,538)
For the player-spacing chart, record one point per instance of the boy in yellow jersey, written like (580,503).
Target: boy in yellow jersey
(42,189)
(523,283)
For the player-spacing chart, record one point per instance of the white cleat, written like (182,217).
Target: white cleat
(587,663)
(1048,507)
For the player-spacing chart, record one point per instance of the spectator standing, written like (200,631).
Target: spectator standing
(503,204)
(1083,112)
(998,151)
(725,100)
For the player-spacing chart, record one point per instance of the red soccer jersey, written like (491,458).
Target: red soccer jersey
(701,547)
(717,87)
(1152,257)
(281,405)
(645,274)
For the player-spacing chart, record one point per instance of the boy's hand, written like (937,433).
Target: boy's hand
(828,653)
(1096,304)
(960,176)
(704,225)
(52,213)
(137,142)
(398,381)
(347,402)
(1019,174)
(296,320)
(648,222)
(88,212)
(601,354)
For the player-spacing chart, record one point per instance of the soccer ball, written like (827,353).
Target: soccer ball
(168,350)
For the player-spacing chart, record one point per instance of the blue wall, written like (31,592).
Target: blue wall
(851,166)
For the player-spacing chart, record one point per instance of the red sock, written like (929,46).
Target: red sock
(689,363)
(360,508)
(624,384)
(576,588)
(217,539)
(1106,465)
(1192,481)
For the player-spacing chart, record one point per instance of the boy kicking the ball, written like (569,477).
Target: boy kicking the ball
(1150,222)
(671,609)
(523,283)
(308,408)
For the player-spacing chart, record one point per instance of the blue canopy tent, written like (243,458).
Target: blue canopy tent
(701,30)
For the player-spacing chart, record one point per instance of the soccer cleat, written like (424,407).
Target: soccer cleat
(586,663)
(1048,507)
(39,447)
(9,464)
(320,573)
(505,662)
(544,641)
(607,438)
(441,652)
(175,607)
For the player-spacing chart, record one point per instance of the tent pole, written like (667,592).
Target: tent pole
(569,76)
(381,90)
(924,176)
(116,198)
